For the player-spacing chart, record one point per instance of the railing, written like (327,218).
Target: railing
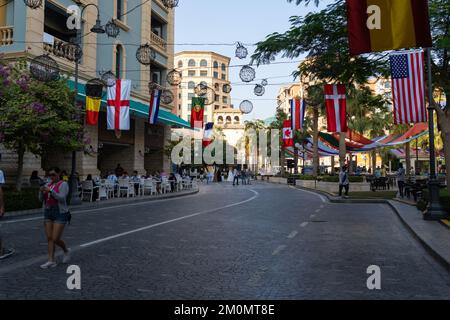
(60,48)
(158,41)
(6,36)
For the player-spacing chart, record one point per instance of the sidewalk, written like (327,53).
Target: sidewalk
(434,236)
(107,203)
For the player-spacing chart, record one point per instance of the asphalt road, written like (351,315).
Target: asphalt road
(249,242)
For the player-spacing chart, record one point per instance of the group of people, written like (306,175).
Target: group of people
(238,174)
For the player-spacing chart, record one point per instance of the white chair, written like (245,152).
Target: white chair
(103,190)
(110,189)
(165,185)
(179,182)
(150,187)
(125,187)
(187,183)
(88,188)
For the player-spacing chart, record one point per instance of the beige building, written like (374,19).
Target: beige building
(211,69)
(28,33)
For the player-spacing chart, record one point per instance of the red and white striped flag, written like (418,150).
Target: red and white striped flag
(336,102)
(408,87)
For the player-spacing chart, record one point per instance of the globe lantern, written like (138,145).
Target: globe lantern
(112,30)
(33,4)
(44,68)
(246,107)
(145,54)
(247,74)
(170,4)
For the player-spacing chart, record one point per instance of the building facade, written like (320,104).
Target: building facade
(27,33)
(211,69)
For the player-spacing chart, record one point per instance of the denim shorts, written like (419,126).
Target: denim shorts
(54,215)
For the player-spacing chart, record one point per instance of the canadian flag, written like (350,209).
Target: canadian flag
(336,107)
(288,134)
(118,105)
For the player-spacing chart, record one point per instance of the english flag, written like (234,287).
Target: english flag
(118,105)
(288,134)
(336,104)
(208,134)
(155,101)
(298,108)
(408,87)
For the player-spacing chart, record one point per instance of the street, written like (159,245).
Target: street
(263,241)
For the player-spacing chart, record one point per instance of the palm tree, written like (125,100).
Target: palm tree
(256,126)
(278,125)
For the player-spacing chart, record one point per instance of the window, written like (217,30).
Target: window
(190,107)
(205,119)
(228,120)
(224,76)
(224,67)
(204,84)
(216,98)
(224,99)
(216,87)
(216,65)
(179,107)
(220,120)
(203,73)
(119,57)
(191,63)
(189,118)
(203,63)
(225,88)
(179,96)
(190,96)
(237,120)
(119,9)
(191,73)
(180,64)
(191,85)
(216,107)
(216,75)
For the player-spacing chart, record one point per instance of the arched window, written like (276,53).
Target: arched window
(216,65)
(180,64)
(216,87)
(220,120)
(237,120)
(224,67)
(119,61)
(119,9)
(228,120)
(191,85)
(191,63)
(203,63)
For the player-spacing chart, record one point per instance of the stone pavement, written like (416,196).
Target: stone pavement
(249,242)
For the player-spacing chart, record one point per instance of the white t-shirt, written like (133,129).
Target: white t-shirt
(2,178)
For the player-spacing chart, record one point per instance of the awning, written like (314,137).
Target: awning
(138,108)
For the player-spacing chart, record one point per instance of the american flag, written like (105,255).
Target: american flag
(408,89)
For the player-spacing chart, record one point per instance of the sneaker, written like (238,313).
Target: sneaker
(67,256)
(48,265)
(7,253)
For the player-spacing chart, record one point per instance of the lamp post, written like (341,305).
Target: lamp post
(98,29)
(434,211)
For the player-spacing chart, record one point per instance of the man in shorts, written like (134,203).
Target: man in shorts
(4,253)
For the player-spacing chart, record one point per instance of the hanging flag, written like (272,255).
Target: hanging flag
(94,92)
(298,108)
(118,105)
(379,25)
(408,87)
(198,112)
(208,134)
(336,104)
(155,100)
(288,134)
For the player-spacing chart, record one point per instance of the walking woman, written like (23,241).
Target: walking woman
(56,211)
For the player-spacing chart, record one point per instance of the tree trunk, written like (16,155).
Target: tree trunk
(408,159)
(444,122)
(332,165)
(21,154)
(295,160)
(374,160)
(316,141)
(350,167)
(342,149)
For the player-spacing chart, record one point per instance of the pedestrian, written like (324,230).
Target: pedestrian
(244,177)
(401,172)
(4,253)
(344,182)
(378,173)
(56,213)
(119,171)
(237,176)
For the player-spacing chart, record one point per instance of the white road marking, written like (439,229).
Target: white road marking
(278,250)
(318,210)
(120,235)
(293,234)
(304,224)
(313,216)
(322,198)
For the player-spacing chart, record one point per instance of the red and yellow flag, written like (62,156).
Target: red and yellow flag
(92,110)
(379,25)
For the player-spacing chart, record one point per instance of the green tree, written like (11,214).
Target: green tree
(37,117)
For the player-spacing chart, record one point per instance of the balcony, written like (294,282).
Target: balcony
(60,49)
(159,42)
(6,36)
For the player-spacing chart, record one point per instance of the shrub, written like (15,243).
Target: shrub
(352,179)
(27,199)
(302,177)
(422,204)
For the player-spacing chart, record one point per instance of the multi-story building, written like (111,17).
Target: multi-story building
(211,69)
(27,33)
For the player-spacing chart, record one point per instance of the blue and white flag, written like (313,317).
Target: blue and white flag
(155,100)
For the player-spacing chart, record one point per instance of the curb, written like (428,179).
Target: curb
(98,205)
(442,260)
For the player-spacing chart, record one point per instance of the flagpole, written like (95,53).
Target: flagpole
(434,211)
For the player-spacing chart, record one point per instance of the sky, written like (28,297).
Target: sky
(246,21)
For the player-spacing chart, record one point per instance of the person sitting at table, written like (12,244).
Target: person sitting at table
(173,181)
(378,173)
(119,171)
(124,175)
(136,180)
(94,184)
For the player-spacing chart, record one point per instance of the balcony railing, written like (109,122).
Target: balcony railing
(6,36)
(60,48)
(158,42)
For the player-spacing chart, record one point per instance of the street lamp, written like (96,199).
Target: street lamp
(98,29)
